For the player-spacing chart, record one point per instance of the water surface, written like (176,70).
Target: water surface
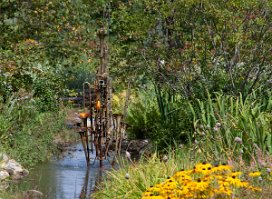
(67,178)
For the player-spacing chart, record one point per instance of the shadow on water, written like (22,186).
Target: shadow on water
(68,178)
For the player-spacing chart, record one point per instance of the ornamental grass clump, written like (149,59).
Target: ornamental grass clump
(203,181)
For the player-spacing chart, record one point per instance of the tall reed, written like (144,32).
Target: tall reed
(229,126)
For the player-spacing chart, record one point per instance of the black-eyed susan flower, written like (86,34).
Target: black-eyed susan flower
(254,174)
(203,181)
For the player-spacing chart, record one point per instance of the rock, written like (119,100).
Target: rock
(142,143)
(146,151)
(15,170)
(136,147)
(76,120)
(3,175)
(33,194)
(20,175)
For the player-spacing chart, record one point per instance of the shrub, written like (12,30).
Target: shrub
(161,115)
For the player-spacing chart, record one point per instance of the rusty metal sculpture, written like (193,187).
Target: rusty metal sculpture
(97,118)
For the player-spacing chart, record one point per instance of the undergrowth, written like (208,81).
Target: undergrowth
(26,133)
(132,181)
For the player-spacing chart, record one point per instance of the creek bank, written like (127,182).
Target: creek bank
(10,170)
(136,147)
(64,140)
(33,194)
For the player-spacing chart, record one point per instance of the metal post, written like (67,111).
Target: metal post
(99,108)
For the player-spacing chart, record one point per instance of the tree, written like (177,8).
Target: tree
(191,46)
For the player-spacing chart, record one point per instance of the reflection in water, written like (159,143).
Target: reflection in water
(69,178)
(86,188)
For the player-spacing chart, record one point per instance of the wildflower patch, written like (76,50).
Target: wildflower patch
(203,181)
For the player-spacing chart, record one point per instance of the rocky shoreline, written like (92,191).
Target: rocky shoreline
(10,170)
(137,147)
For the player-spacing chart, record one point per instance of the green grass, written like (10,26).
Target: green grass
(143,174)
(150,171)
(248,119)
(6,196)
(218,122)
(28,135)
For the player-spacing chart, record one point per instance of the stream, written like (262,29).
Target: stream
(66,178)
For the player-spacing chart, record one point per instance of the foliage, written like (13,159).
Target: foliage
(26,134)
(119,101)
(188,48)
(229,126)
(131,181)
(9,196)
(184,47)
(42,45)
(142,115)
(191,46)
(203,181)
(160,115)
(142,175)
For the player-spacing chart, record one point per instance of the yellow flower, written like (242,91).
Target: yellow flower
(182,177)
(237,173)
(254,188)
(201,185)
(204,181)
(221,168)
(254,174)
(204,168)
(223,190)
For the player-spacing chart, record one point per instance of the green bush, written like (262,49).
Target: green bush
(46,95)
(161,116)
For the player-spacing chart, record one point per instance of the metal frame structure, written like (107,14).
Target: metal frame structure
(97,133)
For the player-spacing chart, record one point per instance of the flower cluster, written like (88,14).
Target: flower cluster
(203,181)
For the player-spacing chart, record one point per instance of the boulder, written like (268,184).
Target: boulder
(15,170)
(137,145)
(3,175)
